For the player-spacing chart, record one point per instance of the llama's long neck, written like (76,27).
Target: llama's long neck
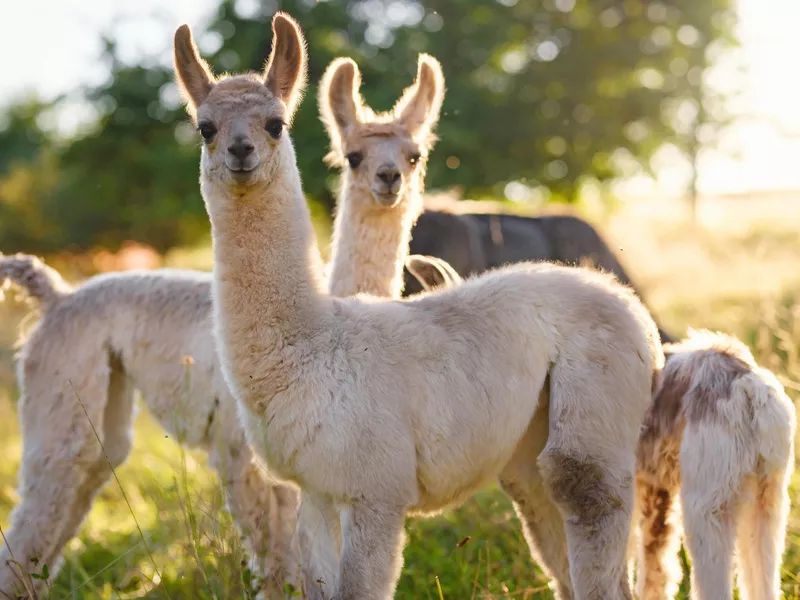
(267,280)
(370,243)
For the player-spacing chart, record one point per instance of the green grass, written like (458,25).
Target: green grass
(744,282)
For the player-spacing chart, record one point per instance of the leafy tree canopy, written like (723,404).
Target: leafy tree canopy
(545,93)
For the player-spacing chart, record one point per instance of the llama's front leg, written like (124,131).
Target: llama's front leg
(372,554)
(320,539)
(265,513)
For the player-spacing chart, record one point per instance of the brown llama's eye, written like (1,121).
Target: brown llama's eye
(414,158)
(354,159)
(207,130)
(274,127)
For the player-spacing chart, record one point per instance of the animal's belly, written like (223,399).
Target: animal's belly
(188,417)
(453,464)
(446,481)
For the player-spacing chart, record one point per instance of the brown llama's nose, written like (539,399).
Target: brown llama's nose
(241,149)
(388,175)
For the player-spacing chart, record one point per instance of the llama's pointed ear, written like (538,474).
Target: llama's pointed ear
(418,108)
(287,67)
(431,272)
(195,78)
(339,100)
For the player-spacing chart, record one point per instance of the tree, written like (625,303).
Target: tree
(542,94)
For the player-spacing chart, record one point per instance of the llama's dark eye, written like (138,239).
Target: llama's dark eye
(355,158)
(274,127)
(414,158)
(207,130)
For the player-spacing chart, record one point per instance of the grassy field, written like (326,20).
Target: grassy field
(736,271)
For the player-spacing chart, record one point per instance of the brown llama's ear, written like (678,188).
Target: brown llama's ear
(432,272)
(287,66)
(195,78)
(340,105)
(419,106)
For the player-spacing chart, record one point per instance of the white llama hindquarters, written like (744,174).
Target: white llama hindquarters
(78,369)
(721,434)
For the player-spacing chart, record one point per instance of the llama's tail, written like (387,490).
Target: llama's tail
(775,418)
(39,281)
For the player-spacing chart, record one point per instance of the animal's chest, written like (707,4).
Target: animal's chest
(276,442)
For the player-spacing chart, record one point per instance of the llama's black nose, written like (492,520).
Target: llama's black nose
(388,175)
(241,149)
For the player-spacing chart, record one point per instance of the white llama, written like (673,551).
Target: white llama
(384,158)
(378,408)
(720,434)
(92,346)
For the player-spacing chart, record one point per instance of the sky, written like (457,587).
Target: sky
(58,44)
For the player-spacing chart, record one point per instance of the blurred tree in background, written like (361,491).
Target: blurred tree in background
(542,95)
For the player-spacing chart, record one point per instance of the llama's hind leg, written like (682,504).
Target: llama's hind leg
(542,521)
(62,467)
(659,571)
(117,436)
(761,537)
(714,465)
(588,465)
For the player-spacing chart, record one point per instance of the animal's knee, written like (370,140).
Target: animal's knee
(581,486)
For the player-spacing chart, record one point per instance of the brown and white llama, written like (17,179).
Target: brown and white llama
(379,408)
(77,372)
(719,436)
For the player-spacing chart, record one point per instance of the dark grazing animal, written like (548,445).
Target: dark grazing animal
(474,242)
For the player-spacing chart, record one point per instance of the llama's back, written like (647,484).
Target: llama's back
(539,302)
(712,385)
(155,324)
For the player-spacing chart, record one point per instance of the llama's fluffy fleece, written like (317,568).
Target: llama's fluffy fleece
(78,369)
